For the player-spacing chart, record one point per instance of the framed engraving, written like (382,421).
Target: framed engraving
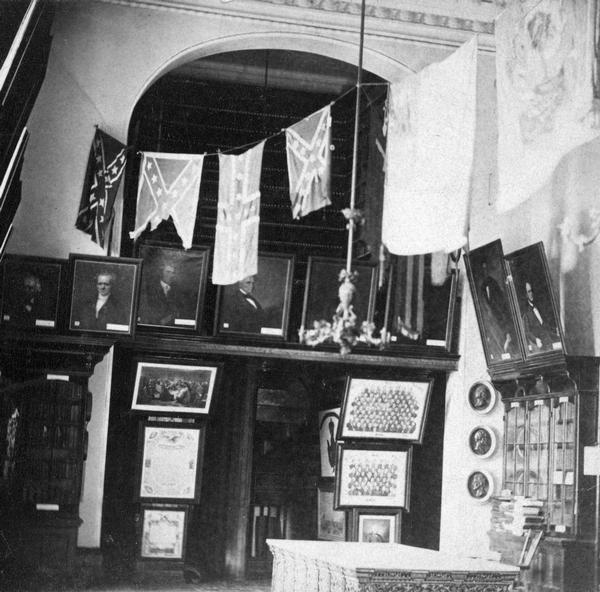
(169,464)
(331,524)
(163,533)
(377,527)
(385,409)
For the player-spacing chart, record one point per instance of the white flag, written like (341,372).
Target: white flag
(238,216)
(309,162)
(169,185)
(429,156)
(544,65)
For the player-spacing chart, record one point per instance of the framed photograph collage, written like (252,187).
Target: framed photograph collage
(515,305)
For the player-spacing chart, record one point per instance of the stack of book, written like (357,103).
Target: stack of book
(517,514)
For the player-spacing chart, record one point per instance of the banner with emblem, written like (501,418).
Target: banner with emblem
(238,216)
(309,162)
(169,185)
(106,164)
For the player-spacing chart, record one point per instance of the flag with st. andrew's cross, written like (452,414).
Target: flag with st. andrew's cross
(169,185)
(106,164)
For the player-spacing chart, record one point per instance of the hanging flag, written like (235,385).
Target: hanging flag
(169,186)
(309,162)
(545,68)
(430,140)
(106,164)
(238,215)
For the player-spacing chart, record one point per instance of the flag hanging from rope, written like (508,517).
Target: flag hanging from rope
(430,142)
(309,162)
(238,216)
(545,67)
(169,185)
(106,164)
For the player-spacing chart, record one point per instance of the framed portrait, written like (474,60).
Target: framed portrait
(482,441)
(170,463)
(493,306)
(331,524)
(420,307)
(173,285)
(321,291)
(182,389)
(31,292)
(376,526)
(328,428)
(104,293)
(372,476)
(482,397)
(385,409)
(538,317)
(259,305)
(480,485)
(163,532)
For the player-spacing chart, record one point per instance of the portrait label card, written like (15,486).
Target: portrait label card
(170,462)
(163,533)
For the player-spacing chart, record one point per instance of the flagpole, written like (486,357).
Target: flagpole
(351,222)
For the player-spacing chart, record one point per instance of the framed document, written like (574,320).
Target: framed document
(163,532)
(170,459)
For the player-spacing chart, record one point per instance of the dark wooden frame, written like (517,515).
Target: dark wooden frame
(146,507)
(193,284)
(384,452)
(273,297)
(346,433)
(494,326)
(80,279)
(164,408)
(326,485)
(396,515)
(52,274)
(530,265)
(174,426)
(326,268)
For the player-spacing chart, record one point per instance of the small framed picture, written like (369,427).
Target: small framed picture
(173,286)
(482,397)
(480,485)
(321,292)
(258,305)
(373,526)
(372,476)
(104,293)
(385,409)
(482,441)
(331,524)
(31,292)
(182,389)
(539,321)
(420,307)
(491,296)
(328,428)
(170,463)
(163,532)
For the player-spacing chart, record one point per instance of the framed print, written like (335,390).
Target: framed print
(321,291)
(385,409)
(480,485)
(173,285)
(170,458)
(420,308)
(373,526)
(482,441)
(258,305)
(328,428)
(491,297)
(538,314)
(372,477)
(163,533)
(104,294)
(482,397)
(31,292)
(331,524)
(174,388)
